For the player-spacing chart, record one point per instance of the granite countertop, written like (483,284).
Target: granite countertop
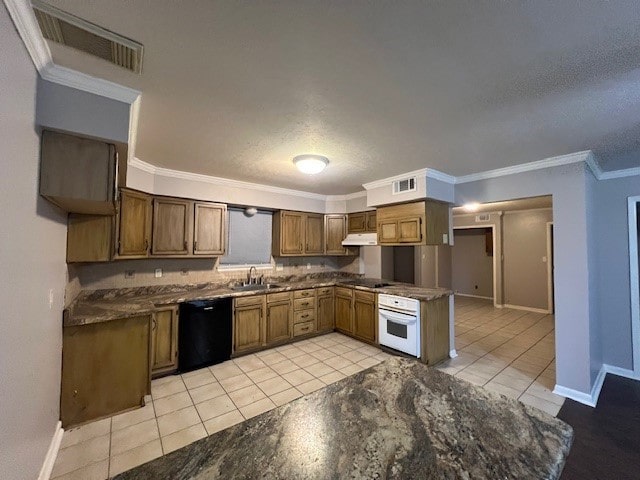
(399,419)
(111,304)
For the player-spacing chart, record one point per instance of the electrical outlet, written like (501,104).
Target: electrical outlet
(308,266)
(445,238)
(129,273)
(50,298)
(279,267)
(158,273)
(184,272)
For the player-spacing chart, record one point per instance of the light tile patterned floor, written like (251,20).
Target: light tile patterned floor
(186,408)
(508,351)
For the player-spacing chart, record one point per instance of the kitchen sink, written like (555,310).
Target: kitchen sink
(253,286)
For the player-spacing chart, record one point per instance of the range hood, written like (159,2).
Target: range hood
(361,239)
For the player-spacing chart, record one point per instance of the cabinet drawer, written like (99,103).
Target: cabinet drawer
(303,328)
(304,303)
(278,297)
(250,300)
(304,293)
(304,316)
(365,296)
(344,292)
(325,291)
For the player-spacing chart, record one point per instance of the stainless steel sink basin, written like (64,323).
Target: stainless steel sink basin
(252,287)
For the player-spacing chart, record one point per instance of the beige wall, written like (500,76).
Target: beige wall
(525,251)
(472,268)
(32,262)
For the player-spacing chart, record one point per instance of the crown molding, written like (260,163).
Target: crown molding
(348,196)
(423,172)
(627,172)
(438,175)
(25,21)
(528,167)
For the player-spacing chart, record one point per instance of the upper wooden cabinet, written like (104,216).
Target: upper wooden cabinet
(209,231)
(171,222)
(362,222)
(297,234)
(90,238)
(335,229)
(417,223)
(134,232)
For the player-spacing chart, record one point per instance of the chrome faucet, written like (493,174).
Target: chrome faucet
(250,276)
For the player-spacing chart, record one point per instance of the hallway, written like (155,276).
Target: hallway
(507,351)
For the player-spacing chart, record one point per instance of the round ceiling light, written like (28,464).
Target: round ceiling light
(311,164)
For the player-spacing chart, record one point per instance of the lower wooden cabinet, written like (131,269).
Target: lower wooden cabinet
(164,341)
(365,325)
(105,369)
(434,339)
(279,320)
(344,310)
(249,323)
(325,317)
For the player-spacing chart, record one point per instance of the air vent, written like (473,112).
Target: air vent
(485,217)
(66,29)
(405,185)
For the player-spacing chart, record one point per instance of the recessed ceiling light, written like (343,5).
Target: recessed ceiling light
(471,207)
(311,164)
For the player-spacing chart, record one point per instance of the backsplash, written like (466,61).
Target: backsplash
(98,276)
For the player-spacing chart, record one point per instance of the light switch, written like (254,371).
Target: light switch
(544,259)
(445,238)
(50,298)
(158,272)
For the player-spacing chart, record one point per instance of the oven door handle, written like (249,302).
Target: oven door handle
(397,319)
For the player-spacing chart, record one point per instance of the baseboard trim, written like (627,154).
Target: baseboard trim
(621,372)
(52,453)
(590,399)
(527,309)
(472,296)
(453,353)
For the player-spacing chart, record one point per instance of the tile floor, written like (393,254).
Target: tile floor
(508,351)
(186,408)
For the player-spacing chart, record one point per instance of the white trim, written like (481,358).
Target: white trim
(134,115)
(550,260)
(453,353)
(472,296)
(527,167)
(590,399)
(423,172)
(452,328)
(527,309)
(144,166)
(626,172)
(621,372)
(52,453)
(438,175)
(25,21)
(348,196)
(87,83)
(634,281)
(514,212)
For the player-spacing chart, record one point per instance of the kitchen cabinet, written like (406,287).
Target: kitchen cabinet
(344,310)
(434,331)
(365,316)
(304,310)
(335,232)
(297,234)
(105,368)
(417,223)
(279,318)
(170,226)
(134,232)
(325,317)
(90,238)
(361,222)
(249,323)
(209,234)
(164,341)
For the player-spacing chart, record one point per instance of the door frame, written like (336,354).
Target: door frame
(550,260)
(634,280)
(495,255)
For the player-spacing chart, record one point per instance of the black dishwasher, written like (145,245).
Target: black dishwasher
(204,336)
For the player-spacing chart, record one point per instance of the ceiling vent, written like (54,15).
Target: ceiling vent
(485,217)
(404,185)
(66,29)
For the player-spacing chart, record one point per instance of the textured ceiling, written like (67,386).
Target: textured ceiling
(238,88)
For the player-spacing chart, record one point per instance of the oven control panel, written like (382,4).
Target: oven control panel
(399,303)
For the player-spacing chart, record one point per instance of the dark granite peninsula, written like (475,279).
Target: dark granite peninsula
(399,419)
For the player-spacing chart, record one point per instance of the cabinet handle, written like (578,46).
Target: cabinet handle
(305,316)
(146,245)
(185,245)
(195,245)
(155,324)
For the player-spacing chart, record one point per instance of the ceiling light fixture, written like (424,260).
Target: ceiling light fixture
(311,164)
(471,207)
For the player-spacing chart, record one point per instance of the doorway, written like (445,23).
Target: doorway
(473,264)
(550,268)
(634,277)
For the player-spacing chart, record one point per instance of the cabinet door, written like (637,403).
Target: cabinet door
(357,222)
(343,314)
(388,231)
(371,221)
(364,317)
(335,231)
(170,226)
(292,232)
(89,238)
(135,224)
(209,229)
(410,229)
(248,327)
(314,234)
(105,369)
(164,341)
(279,321)
(326,313)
